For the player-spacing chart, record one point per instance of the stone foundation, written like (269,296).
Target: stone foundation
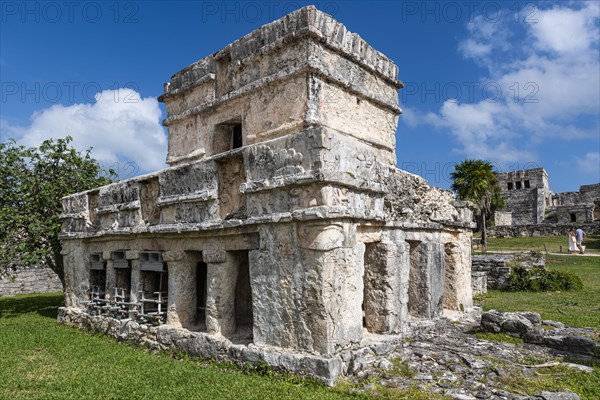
(327,368)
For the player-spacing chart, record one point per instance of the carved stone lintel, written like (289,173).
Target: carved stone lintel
(132,254)
(213,252)
(170,256)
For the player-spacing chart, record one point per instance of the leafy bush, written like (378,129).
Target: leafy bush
(541,280)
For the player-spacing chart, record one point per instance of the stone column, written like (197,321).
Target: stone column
(69,271)
(111,276)
(458,294)
(182,288)
(222,272)
(426,281)
(386,287)
(134,257)
(334,265)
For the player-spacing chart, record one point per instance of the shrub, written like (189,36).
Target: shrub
(541,280)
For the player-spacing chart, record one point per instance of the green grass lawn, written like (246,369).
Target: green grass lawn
(41,359)
(542,243)
(575,308)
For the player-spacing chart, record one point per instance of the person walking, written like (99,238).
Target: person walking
(572,241)
(579,236)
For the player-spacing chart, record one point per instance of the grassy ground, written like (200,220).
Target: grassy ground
(551,244)
(575,308)
(41,359)
(44,360)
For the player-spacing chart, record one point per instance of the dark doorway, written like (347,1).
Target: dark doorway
(243,301)
(201,292)
(236,136)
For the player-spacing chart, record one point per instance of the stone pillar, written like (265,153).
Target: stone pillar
(426,280)
(182,288)
(386,287)
(222,272)
(134,257)
(334,262)
(75,270)
(458,293)
(111,276)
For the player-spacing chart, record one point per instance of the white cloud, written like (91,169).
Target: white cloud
(122,128)
(566,30)
(473,48)
(486,38)
(549,83)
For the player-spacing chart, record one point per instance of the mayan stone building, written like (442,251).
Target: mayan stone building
(282,232)
(530,202)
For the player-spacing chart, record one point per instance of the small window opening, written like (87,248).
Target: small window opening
(153,293)
(97,277)
(573,217)
(518,185)
(510,186)
(236,136)
(527,186)
(227,136)
(120,292)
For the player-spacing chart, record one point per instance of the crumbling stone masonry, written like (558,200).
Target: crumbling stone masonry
(529,201)
(28,280)
(282,232)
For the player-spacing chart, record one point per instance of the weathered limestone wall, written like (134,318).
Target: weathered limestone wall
(525,192)
(542,230)
(526,206)
(575,214)
(502,218)
(29,280)
(536,178)
(282,77)
(590,193)
(498,267)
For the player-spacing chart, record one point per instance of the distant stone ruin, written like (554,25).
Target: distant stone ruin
(531,207)
(282,232)
(28,280)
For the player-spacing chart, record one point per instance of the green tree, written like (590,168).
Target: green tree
(474,180)
(32,183)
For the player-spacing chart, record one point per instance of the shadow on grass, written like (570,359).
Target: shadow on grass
(592,242)
(46,305)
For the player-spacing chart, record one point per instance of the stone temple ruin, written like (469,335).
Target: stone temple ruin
(530,202)
(282,232)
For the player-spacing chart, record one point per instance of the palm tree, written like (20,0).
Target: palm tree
(474,180)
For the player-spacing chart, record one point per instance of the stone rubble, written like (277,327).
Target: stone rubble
(497,267)
(450,360)
(528,326)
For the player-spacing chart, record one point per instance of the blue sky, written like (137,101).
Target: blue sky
(517,83)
